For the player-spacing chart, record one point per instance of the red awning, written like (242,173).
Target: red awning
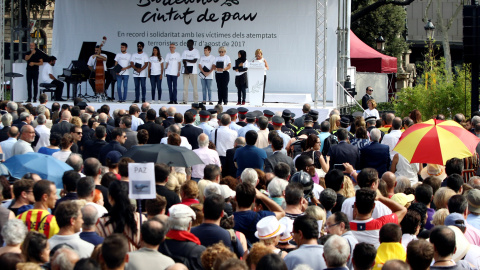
(367,59)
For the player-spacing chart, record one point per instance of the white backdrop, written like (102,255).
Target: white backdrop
(284,30)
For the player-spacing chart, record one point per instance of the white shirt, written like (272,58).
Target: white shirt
(184,142)
(101,210)
(7,147)
(213,122)
(369,112)
(44,139)
(235,127)
(136,122)
(285,138)
(46,71)
(391,139)
(83,248)
(379,210)
(93,61)
(225,59)
(140,58)
(207,61)
(172,60)
(190,55)
(208,156)
(21,147)
(155,65)
(123,59)
(225,139)
(62,155)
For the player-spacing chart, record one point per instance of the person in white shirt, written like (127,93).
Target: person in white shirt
(172,71)
(155,73)
(43,132)
(259,58)
(208,156)
(391,139)
(176,129)
(7,145)
(190,58)
(224,138)
(241,66)
(47,77)
(371,111)
(92,65)
(222,75)
(123,59)
(205,66)
(139,63)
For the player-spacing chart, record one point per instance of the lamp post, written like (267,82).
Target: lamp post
(380,42)
(430,33)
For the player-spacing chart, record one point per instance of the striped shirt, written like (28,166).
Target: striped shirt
(133,239)
(41,221)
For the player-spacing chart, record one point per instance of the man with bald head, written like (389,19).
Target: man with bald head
(90,217)
(299,121)
(391,181)
(90,110)
(387,122)
(375,155)
(391,139)
(64,125)
(23,145)
(208,156)
(102,119)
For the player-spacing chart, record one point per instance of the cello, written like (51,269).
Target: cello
(100,72)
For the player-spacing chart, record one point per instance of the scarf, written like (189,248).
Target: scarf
(183,236)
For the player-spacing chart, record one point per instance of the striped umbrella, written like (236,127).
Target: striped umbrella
(436,141)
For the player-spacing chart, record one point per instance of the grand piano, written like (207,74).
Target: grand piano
(78,71)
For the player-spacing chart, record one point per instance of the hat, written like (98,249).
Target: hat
(250,115)
(258,113)
(277,121)
(292,115)
(287,233)
(212,111)
(313,113)
(232,111)
(113,156)
(181,211)
(462,244)
(433,170)
(402,198)
(195,105)
(370,119)
(204,114)
(269,227)
(286,113)
(227,192)
(268,113)
(473,198)
(82,105)
(242,110)
(344,120)
(193,111)
(308,118)
(455,219)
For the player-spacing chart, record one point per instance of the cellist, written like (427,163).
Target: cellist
(92,63)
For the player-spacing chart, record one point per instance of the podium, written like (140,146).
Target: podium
(255,75)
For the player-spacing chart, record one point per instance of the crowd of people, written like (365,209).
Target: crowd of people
(274,191)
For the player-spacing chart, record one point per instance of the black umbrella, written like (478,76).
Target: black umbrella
(163,153)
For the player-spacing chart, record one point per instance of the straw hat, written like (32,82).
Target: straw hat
(433,170)
(462,244)
(269,227)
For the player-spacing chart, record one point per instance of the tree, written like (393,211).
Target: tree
(367,9)
(387,19)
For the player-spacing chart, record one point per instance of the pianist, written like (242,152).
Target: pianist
(47,77)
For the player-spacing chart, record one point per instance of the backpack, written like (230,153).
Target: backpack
(329,141)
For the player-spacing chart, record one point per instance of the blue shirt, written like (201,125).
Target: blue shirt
(322,136)
(207,129)
(210,234)
(47,151)
(246,222)
(285,138)
(91,237)
(247,128)
(474,220)
(249,156)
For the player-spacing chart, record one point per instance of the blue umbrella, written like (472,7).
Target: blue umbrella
(46,166)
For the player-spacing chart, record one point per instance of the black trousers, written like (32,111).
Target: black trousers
(241,84)
(222,85)
(264,83)
(58,88)
(32,77)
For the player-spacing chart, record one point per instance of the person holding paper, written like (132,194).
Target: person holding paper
(222,75)
(172,71)
(241,66)
(190,70)
(259,58)
(123,60)
(206,74)
(155,73)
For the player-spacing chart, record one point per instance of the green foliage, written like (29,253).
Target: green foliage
(436,92)
(385,106)
(388,19)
